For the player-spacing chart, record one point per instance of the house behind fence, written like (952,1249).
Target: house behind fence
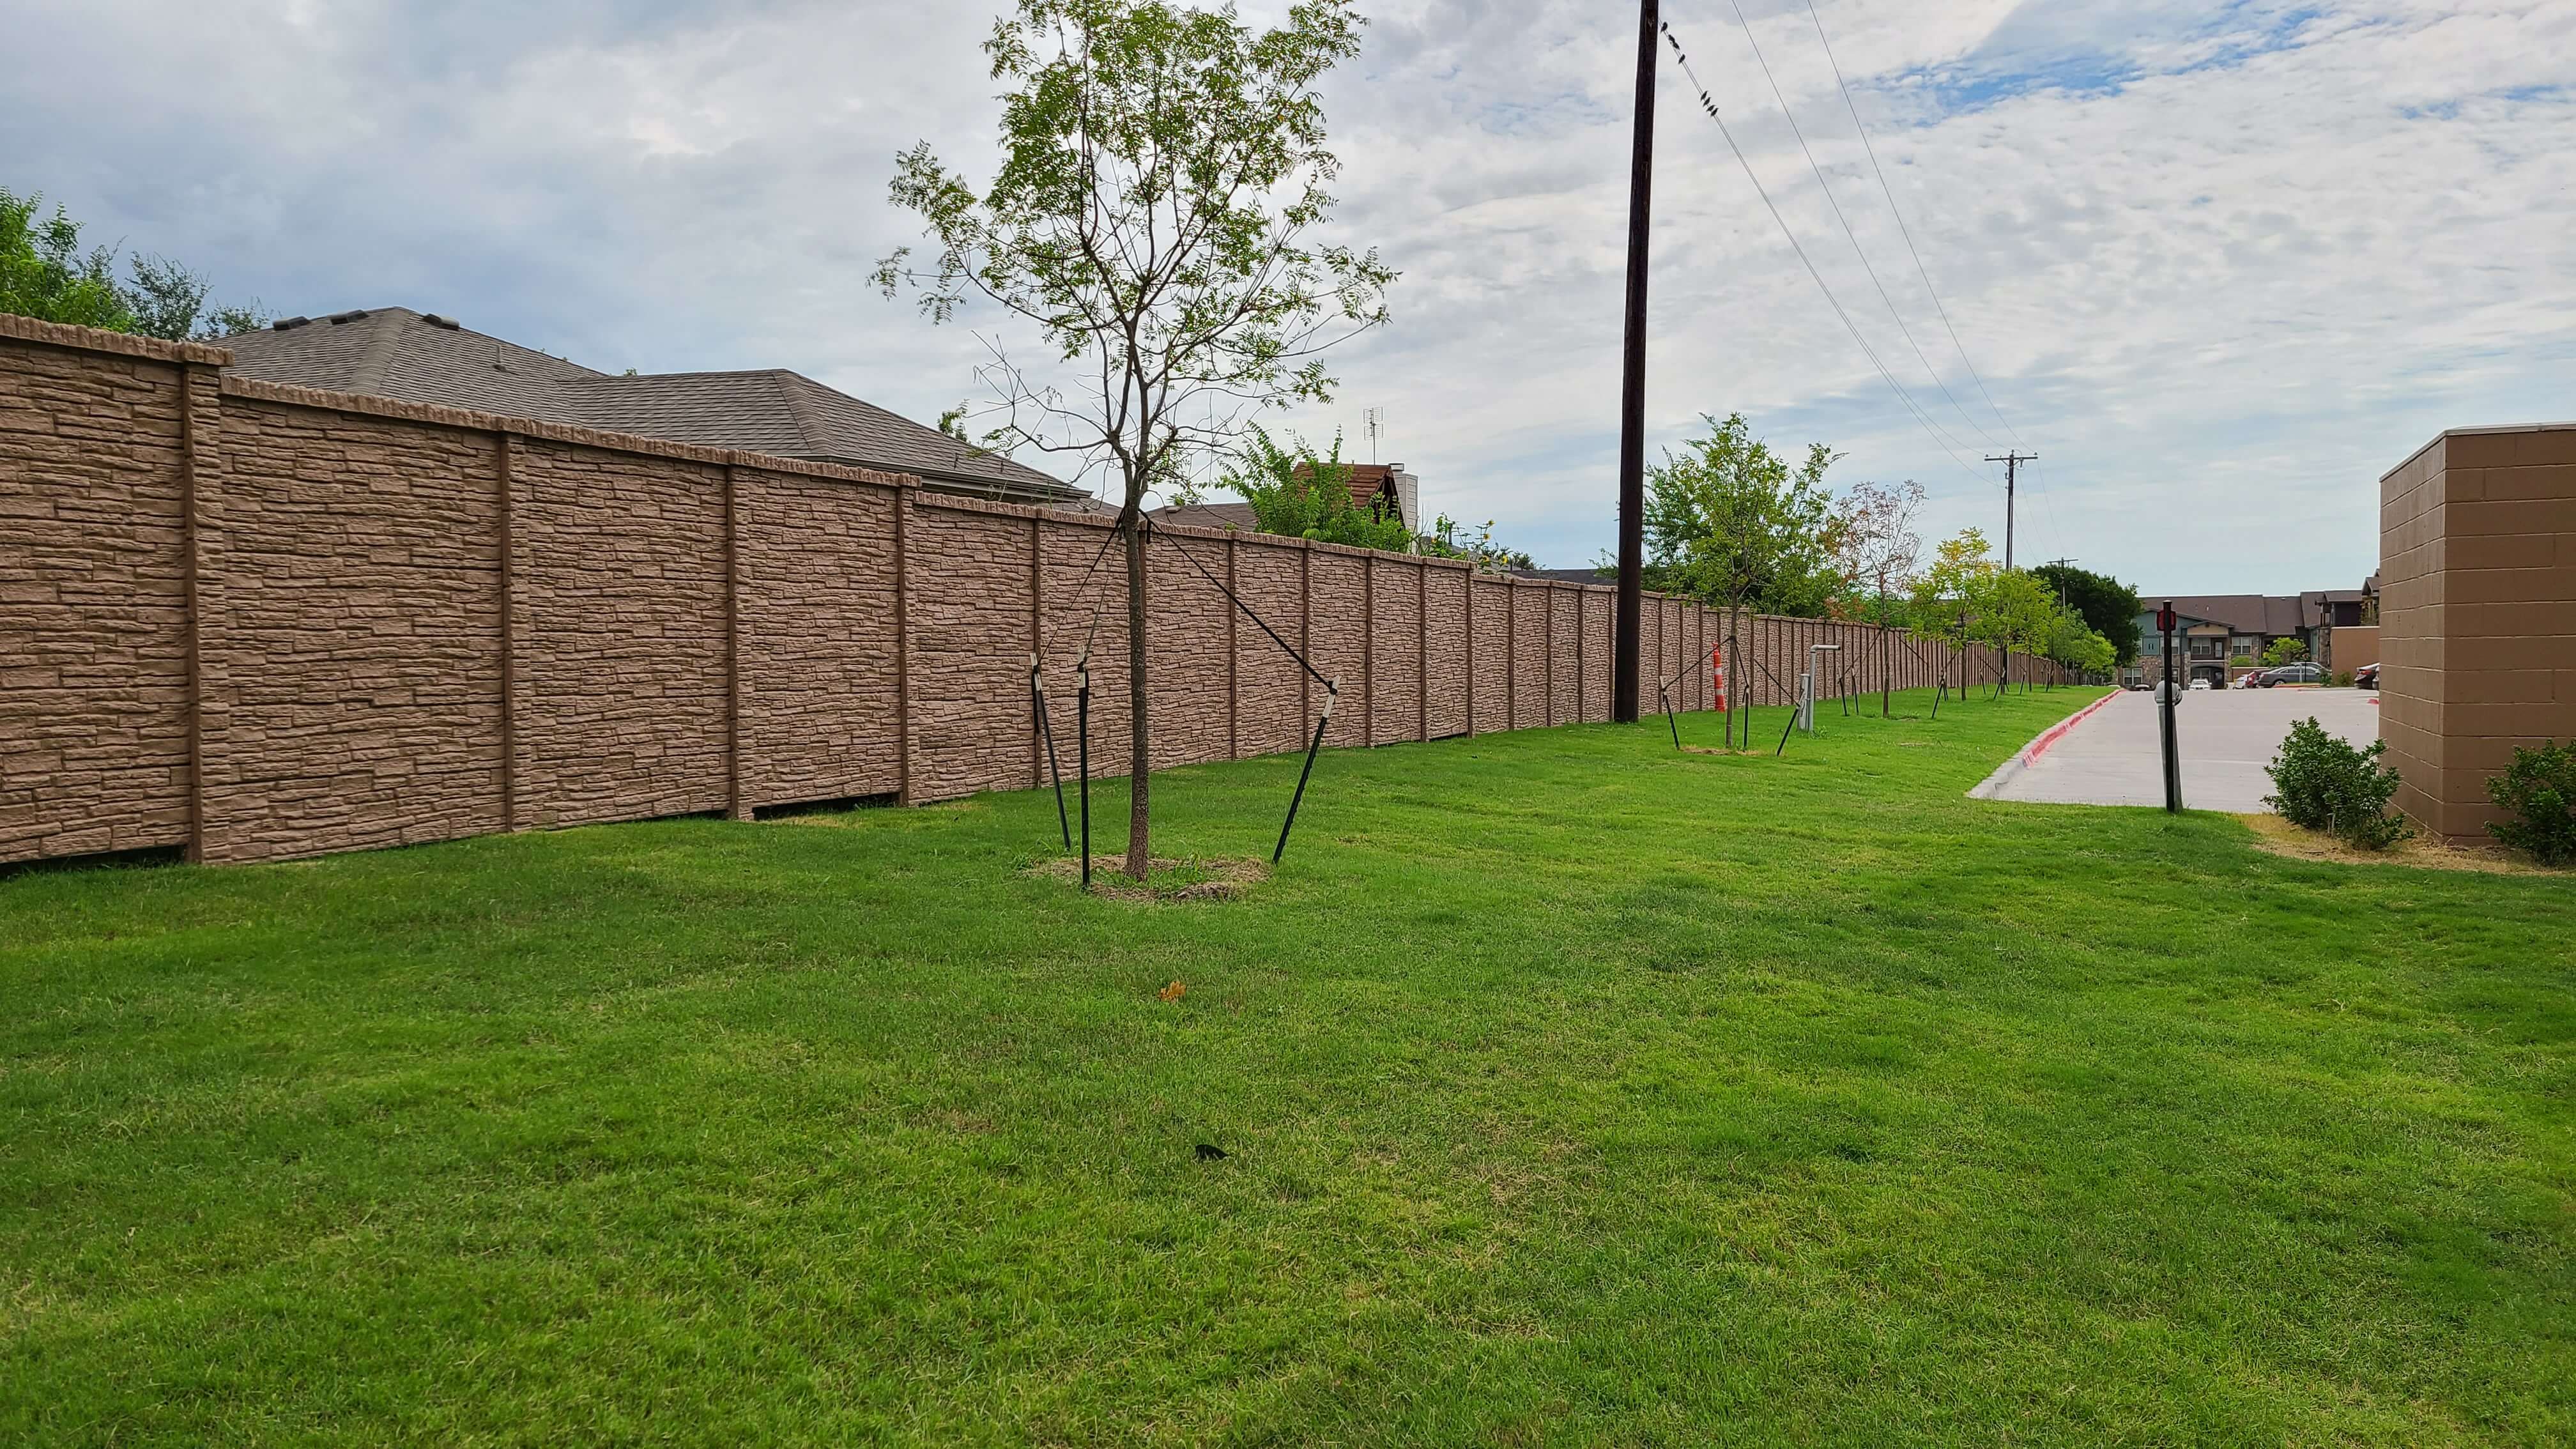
(256,621)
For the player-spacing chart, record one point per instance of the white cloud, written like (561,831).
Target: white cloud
(2220,266)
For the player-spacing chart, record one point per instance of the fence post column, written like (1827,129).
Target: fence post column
(1422,649)
(200,400)
(1368,647)
(902,645)
(736,804)
(505,482)
(1233,686)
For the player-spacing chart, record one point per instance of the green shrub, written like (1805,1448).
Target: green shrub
(2540,787)
(2326,784)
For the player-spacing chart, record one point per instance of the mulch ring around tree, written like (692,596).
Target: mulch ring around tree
(1165,880)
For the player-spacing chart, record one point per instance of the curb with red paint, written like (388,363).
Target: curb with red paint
(2031,752)
(2028,754)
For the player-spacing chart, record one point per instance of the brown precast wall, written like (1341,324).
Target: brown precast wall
(2477,614)
(94,594)
(352,634)
(261,622)
(816,601)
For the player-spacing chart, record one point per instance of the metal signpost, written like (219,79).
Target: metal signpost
(2166,698)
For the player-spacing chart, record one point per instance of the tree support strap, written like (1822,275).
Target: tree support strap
(1256,619)
(1046,728)
(1793,708)
(1082,727)
(1332,692)
(1332,687)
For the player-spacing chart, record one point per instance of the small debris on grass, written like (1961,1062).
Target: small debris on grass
(1166,880)
(1173,992)
(1210,1152)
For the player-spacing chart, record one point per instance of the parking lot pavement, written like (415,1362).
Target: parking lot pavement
(2226,737)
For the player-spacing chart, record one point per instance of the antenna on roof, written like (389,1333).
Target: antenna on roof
(1374,420)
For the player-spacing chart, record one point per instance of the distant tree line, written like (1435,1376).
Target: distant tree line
(1739,527)
(45,273)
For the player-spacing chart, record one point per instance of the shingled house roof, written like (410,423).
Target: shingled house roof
(2274,615)
(394,352)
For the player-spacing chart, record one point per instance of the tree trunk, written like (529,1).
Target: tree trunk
(1886,657)
(1734,678)
(1140,733)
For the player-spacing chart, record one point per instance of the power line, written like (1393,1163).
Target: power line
(1854,237)
(1710,107)
(1901,229)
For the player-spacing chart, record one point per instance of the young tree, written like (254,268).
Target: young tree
(1162,177)
(1951,593)
(1728,522)
(2015,613)
(1877,547)
(2284,651)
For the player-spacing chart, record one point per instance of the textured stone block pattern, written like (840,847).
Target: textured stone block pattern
(93,601)
(623,662)
(1395,666)
(1272,709)
(816,605)
(352,692)
(1445,647)
(265,622)
(968,681)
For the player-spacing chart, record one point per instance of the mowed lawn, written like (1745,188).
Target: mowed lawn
(1577,1092)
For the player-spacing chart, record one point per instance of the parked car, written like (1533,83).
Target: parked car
(2366,677)
(2293,674)
(2200,684)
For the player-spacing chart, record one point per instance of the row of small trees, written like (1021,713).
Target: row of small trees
(1740,527)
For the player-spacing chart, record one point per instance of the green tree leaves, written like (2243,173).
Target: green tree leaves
(1731,523)
(44,274)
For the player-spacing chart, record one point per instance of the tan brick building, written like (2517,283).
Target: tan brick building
(2477,544)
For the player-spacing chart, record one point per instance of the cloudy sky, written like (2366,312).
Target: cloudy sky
(2219,265)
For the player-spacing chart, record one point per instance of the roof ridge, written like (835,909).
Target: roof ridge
(383,336)
(810,424)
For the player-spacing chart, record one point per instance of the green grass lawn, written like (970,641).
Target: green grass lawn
(1576,1091)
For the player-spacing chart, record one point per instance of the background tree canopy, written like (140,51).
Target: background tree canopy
(2108,605)
(1295,492)
(44,274)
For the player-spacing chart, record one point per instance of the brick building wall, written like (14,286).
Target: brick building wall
(262,622)
(2477,614)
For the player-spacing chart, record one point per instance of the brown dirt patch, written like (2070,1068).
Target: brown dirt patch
(1165,880)
(2280,837)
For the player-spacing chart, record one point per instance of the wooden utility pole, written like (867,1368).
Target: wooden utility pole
(2011,462)
(1632,386)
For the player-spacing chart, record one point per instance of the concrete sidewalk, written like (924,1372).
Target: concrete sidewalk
(2226,738)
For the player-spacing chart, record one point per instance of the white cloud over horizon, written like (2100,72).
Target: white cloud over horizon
(2220,266)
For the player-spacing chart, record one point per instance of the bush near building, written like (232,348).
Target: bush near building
(2325,783)
(2539,787)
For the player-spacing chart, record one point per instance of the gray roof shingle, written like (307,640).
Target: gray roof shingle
(394,352)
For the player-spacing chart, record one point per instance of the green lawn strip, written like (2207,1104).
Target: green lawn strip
(1576,1090)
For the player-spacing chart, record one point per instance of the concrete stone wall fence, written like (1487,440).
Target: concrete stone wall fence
(2477,614)
(257,622)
